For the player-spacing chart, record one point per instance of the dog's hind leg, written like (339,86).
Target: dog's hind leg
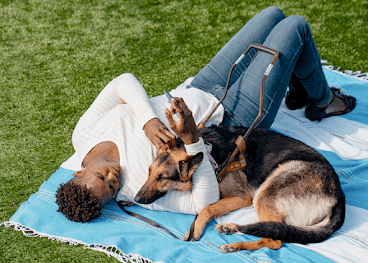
(268,210)
(220,208)
(229,228)
(255,245)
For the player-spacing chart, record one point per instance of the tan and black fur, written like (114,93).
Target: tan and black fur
(294,189)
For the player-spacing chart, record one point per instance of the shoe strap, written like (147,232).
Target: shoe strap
(332,97)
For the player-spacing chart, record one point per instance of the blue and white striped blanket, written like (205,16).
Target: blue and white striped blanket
(342,140)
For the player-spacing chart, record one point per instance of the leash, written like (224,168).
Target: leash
(229,165)
(153,223)
(145,219)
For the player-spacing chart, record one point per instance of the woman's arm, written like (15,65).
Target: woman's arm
(126,89)
(205,190)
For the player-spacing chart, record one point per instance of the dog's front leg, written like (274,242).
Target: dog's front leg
(220,208)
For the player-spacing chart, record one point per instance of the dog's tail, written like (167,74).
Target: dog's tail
(293,234)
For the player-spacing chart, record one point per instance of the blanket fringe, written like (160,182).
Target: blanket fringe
(356,74)
(111,251)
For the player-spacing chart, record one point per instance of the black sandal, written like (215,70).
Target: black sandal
(316,112)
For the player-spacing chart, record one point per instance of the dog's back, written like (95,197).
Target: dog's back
(294,185)
(309,205)
(265,151)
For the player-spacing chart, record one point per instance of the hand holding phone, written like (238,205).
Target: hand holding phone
(185,127)
(169,97)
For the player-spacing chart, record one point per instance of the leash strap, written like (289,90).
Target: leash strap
(230,166)
(145,219)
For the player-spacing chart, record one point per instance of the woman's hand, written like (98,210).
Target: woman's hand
(158,134)
(185,128)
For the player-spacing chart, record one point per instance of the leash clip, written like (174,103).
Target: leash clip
(236,165)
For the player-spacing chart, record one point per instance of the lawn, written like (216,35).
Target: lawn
(56,56)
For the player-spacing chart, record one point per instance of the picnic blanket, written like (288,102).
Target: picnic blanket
(342,140)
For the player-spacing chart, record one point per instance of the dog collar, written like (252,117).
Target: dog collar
(208,152)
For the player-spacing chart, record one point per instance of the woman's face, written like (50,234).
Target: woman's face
(102,179)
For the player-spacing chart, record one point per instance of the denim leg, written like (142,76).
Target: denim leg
(255,30)
(308,70)
(293,39)
(297,53)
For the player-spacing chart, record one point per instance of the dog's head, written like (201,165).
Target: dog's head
(171,170)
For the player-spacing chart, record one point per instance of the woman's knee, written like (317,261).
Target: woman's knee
(300,23)
(275,11)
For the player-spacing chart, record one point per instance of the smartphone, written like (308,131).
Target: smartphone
(168,96)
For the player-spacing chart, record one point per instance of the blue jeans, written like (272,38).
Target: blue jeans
(298,54)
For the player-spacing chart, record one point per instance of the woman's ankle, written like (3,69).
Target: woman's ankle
(338,104)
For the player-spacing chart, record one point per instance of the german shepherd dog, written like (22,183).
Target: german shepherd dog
(295,191)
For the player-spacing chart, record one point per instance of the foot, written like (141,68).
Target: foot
(339,104)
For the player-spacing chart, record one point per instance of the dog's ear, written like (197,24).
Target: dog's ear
(251,149)
(178,143)
(189,166)
(174,144)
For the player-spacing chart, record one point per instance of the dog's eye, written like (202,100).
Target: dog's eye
(160,179)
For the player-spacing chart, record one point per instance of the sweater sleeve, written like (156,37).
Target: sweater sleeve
(205,190)
(124,89)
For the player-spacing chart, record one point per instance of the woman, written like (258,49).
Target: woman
(118,136)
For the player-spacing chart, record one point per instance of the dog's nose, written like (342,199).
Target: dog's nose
(139,198)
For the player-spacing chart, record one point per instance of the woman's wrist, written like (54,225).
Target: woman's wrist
(190,140)
(196,147)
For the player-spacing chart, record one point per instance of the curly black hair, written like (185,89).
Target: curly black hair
(77,202)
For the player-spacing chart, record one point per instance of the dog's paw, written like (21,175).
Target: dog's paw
(224,229)
(227,248)
(194,237)
(186,237)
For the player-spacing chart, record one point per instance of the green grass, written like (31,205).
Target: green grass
(56,56)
